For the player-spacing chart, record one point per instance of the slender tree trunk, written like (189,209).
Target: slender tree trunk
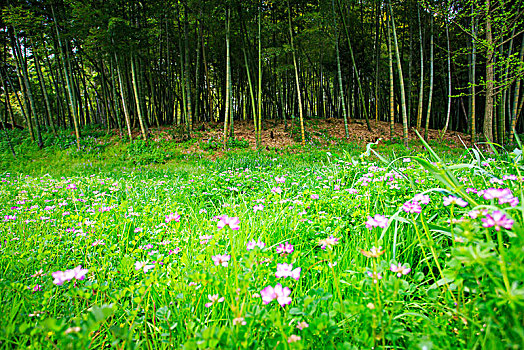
(259,99)
(143,126)
(122,96)
(115,100)
(187,75)
(226,107)
(473,115)
(516,94)
(360,91)
(72,102)
(490,76)
(44,90)
(7,99)
(29,92)
(299,95)
(421,86)
(430,97)
(401,81)
(339,70)
(448,114)
(377,58)
(391,87)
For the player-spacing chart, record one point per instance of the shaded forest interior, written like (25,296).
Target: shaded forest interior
(130,65)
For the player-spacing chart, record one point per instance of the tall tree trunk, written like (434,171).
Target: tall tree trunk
(448,114)
(490,76)
(360,91)
(72,102)
(187,76)
(421,86)
(226,107)
(472,107)
(259,99)
(391,87)
(44,90)
(339,70)
(401,80)
(122,96)
(377,57)
(142,122)
(115,99)
(25,77)
(516,94)
(299,95)
(430,97)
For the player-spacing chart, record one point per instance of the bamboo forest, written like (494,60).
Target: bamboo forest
(286,174)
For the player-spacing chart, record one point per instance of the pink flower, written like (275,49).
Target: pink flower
(142,265)
(172,217)
(302,325)
(252,244)
(293,338)
(286,270)
(455,200)
(37,288)
(139,229)
(280,180)
(221,259)
(421,198)
(285,248)
(328,242)
(79,273)
(225,220)
(61,276)
(497,219)
(98,242)
(281,294)
(239,321)
(174,251)
(315,196)
(374,252)
(375,276)
(213,299)
(258,207)
(400,270)
(377,221)
(276,190)
(412,207)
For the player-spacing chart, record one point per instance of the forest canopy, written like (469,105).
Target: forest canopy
(125,65)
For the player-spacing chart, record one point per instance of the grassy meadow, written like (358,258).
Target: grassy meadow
(353,248)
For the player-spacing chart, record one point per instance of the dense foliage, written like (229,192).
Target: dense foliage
(369,251)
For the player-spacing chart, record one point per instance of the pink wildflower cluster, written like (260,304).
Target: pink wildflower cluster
(377,221)
(252,244)
(61,276)
(455,200)
(142,265)
(497,220)
(285,248)
(281,294)
(172,217)
(232,222)
(328,242)
(400,269)
(286,270)
(221,260)
(412,207)
(213,299)
(504,195)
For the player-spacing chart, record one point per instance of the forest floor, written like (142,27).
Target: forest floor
(276,135)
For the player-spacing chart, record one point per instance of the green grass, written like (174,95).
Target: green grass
(464,290)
